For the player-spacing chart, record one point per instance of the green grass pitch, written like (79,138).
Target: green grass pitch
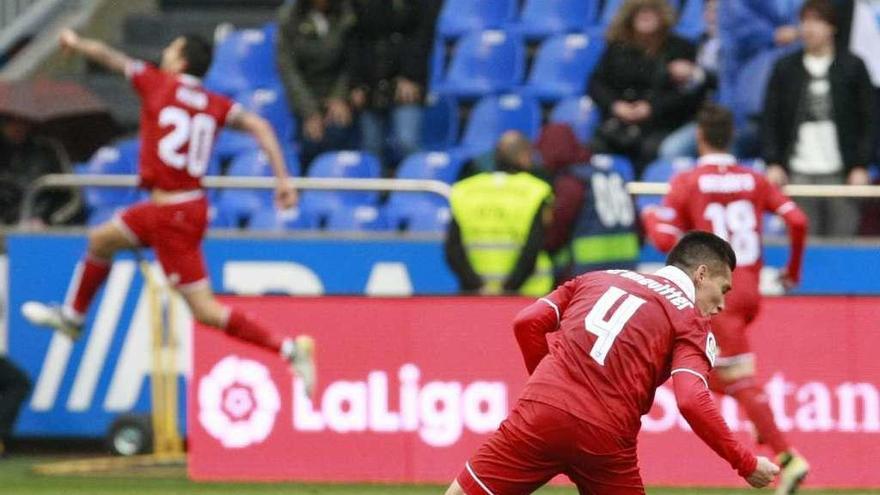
(16,478)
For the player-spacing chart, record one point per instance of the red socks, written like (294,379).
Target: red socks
(88,277)
(755,402)
(241,326)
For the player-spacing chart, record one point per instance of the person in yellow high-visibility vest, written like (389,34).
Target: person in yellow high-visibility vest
(497,228)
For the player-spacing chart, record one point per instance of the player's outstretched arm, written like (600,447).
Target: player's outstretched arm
(698,408)
(94,50)
(261,130)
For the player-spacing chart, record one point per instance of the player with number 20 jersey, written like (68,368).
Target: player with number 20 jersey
(179,121)
(597,348)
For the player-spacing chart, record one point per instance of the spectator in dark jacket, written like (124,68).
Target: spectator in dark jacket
(639,82)
(312,59)
(24,157)
(819,120)
(390,49)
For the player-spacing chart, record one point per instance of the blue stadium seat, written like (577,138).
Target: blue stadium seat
(342,164)
(357,219)
(562,66)
(237,206)
(542,18)
(752,82)
(485,62)
(606,15)
(690,20)
(120,158)
(270,219)
(271,104)
(462,16)
(495,114)
(441,123)
(429,220)
(662,170)
(435,165)
(437,65)
(580,113)
(244,60)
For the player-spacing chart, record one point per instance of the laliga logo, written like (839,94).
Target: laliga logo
(238,402)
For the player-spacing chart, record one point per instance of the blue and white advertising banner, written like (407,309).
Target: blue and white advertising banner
(81,387)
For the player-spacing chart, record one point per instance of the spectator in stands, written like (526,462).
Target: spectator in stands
(495,238)
(593,225)
(14,389)
(700,77)
(312,59)
(639,81)
(819,119)
(390,49)
(24,157)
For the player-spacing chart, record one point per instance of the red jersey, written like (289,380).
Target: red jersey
(179,121)
(729,200)
(621,335)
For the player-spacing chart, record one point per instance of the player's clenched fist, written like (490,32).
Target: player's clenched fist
(68,39)
(764,473)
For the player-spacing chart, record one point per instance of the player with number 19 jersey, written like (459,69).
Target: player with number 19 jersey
(179,121)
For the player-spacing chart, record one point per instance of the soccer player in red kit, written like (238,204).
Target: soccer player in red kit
(721,197)
(597,348)
(179,121)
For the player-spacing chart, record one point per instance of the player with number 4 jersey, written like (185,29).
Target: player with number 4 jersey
(179,122)
(597,348)
(730,200)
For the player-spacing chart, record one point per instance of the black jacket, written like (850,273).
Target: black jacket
(626,73)
(391,39)
(854,113)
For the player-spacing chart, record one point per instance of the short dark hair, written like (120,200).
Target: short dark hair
(701,248)
(198,54)
(716,125)
(824,9)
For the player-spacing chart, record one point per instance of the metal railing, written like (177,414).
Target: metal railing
(60,181)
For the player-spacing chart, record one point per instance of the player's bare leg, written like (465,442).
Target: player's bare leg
(455,489)
(104,242)
(737,379)
(299,352)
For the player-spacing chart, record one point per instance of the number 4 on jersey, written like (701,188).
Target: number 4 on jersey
(607,326)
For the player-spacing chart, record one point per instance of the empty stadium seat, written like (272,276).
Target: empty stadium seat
(441,123)
(434,165)
(752,82)
(237,206)
(341,164)
(542,18)
(421,217)
(485,62)
(270,219)
(269,103)
(606,15)
(120,158)
(462,16)
(690,20)
(562,66)
(662,170)
(244,60)
(580,113)
(495,114)
(357,219)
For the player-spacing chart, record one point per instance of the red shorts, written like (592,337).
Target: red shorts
(741,307)
(537,442)
(175,232)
